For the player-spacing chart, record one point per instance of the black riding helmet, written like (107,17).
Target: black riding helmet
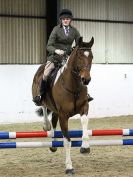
(65,13)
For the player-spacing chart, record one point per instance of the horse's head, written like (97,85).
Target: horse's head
(83,60)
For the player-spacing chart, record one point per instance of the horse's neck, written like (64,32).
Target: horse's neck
(71,61)
(69,77)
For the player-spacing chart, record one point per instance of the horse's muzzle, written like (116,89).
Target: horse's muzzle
(85,81)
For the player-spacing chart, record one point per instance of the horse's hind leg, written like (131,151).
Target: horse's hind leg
(54,124)
(85,148)
(47,124)
(54,120)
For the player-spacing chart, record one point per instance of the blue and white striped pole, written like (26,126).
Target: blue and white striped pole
(61,144)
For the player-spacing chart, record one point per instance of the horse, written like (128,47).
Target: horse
(68,96)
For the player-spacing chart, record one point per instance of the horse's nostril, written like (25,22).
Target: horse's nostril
(86,81)
(83,79)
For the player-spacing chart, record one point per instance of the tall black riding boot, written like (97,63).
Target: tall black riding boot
(38,99)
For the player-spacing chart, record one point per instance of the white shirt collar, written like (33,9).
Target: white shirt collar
(65,27)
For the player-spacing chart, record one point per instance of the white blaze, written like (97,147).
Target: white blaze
(86,53)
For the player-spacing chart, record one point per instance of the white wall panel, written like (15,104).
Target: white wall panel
(97,30)
(112,92)
(113,41)
(100,9)
(120,43)
(22,40)
(23,7)
(92,9)
(120,10)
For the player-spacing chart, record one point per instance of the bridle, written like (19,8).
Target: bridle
(77,69)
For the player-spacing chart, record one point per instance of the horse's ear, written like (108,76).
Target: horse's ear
(80,41)
(91,42)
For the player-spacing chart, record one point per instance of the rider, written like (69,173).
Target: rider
(61,38)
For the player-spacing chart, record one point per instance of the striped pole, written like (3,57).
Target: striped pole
(58,134)
(61,144)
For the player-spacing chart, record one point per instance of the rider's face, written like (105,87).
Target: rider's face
(66,21)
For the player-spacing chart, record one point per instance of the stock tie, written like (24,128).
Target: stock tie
(66,30)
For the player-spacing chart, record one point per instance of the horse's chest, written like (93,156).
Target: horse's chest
(74,106)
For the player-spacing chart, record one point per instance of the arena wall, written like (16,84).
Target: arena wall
(111,87)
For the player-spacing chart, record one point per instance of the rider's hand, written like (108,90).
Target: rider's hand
(59,52)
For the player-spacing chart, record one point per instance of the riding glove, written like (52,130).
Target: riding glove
(59,52)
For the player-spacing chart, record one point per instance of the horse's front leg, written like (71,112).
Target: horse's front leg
(85,147)
(54,124)
(47,124)
(63,119)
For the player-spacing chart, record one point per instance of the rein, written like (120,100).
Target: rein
(74,93)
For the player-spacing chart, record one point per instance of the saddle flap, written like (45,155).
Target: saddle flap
(52,76)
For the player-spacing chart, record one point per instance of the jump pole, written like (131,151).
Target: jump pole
(61,144)
(58,134)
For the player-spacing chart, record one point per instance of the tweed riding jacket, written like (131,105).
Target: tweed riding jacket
(59,40)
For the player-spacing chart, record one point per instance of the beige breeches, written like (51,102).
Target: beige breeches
(48,68)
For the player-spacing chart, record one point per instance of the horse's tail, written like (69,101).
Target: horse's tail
(40,112)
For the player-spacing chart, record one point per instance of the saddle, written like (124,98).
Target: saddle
(58,62)
(50,82)
(52,76)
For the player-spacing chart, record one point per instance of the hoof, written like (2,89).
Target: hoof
(53,149)
(70,171)
(84,150)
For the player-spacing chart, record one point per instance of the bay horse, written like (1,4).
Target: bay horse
(68,96)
